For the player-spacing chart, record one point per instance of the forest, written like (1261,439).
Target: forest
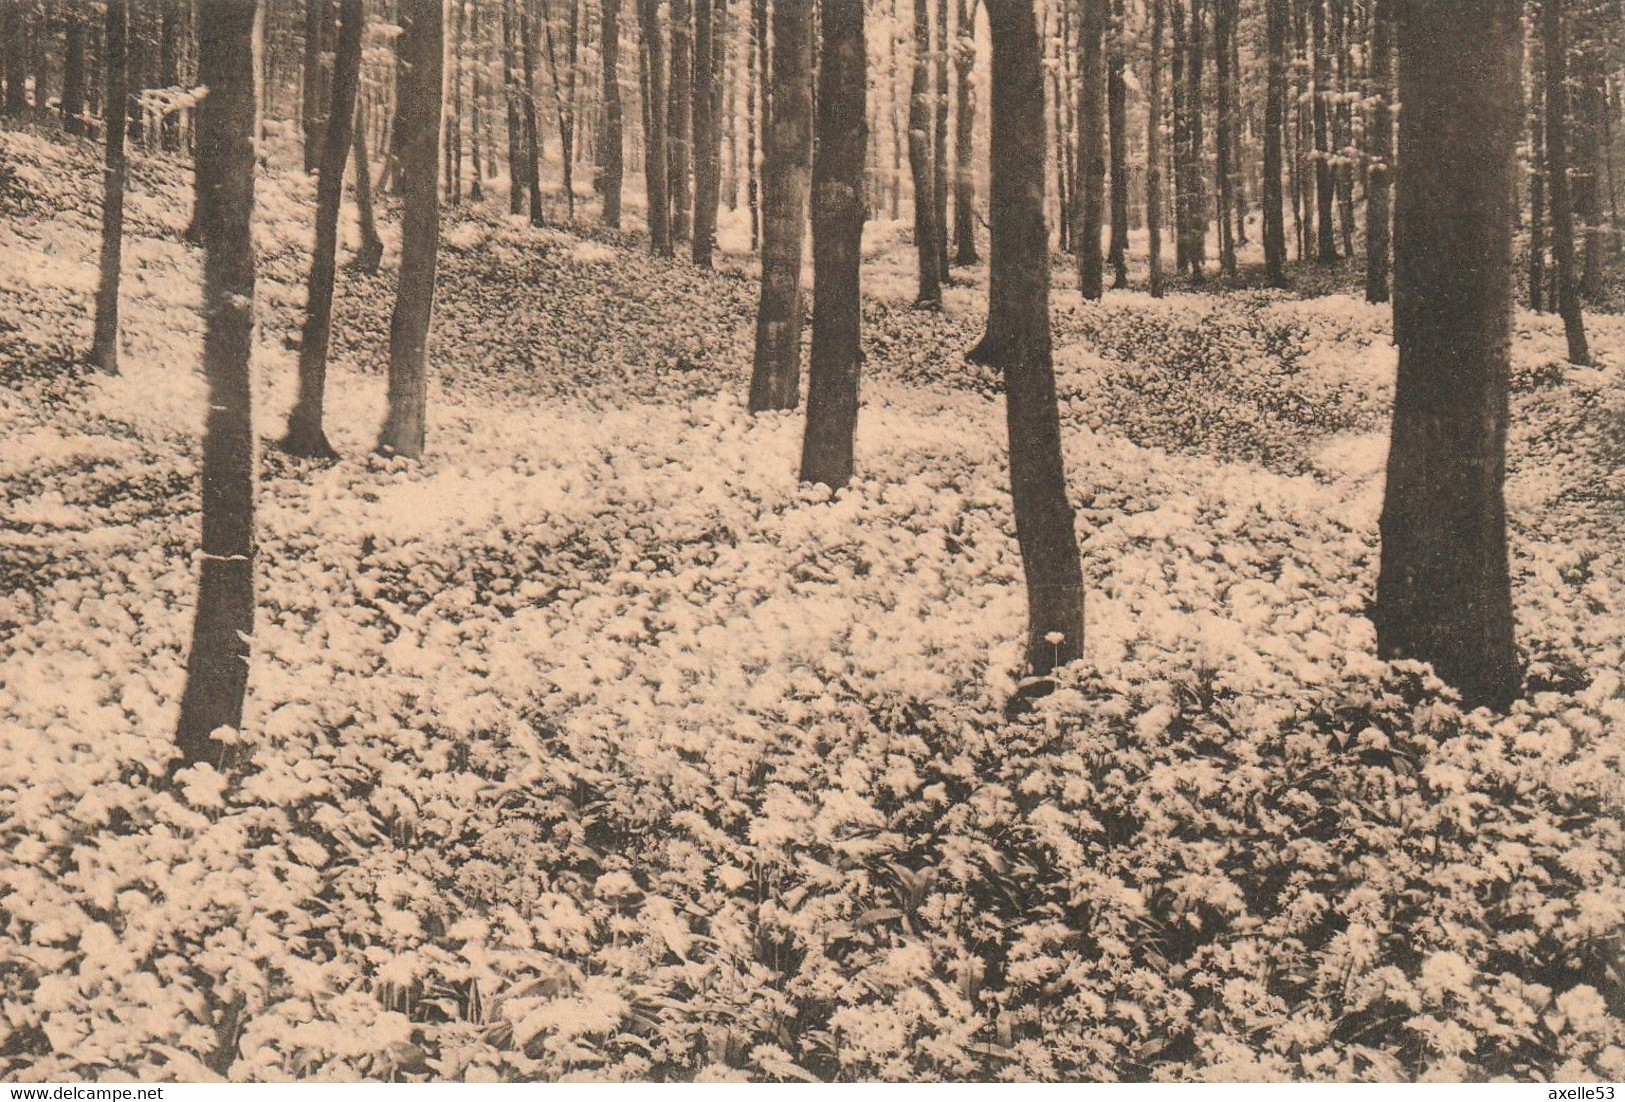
(812,540)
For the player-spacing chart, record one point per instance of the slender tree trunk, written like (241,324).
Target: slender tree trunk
(306,435)
(837,228)
(679,132)
(753,55)
(1091,148)
(423,44)
(1224,14)
(1443,594)
(1181,139)
(965,137)
(314,101)
(516,129)
(104,351)
(939,143)
(533,131)
(1276,16)
(73,73)
(706,185)
(1537,177)
(654,133)
(898,141)
(1018,342)
(920,163)
(1117,129)
(1557,174)
(1195,155)
(1343,167)
(776,378)
(476,108)
(1379,183)
(452,125)
(611,149)
(169,69)
(1153,145)
(1325,186)
(14,41)
(371,252)
(217,667)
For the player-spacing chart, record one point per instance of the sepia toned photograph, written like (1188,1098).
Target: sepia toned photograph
(811,541)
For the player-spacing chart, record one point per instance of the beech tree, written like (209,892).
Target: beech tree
(706,184)
(1091,147)
(104,350)
(1379,188)
(609,51)
(1554,43)
(422,45)
(1018,341)
(1276,17)
(1444,593)
(653,58)
(965,136)
(921,168)
(306,435)
(838,203)
(776,377)
(227,126)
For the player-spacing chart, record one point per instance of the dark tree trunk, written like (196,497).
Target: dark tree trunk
(837,228)
(1091,148)
(217,668)
(1379,184)
(169,68)
(564,98)
(1557,174)
(1537,180)
(920,164)
(1325,185)
(371,252)
(533,132)
(452,124)
(1153,145)
(1276,16)
(73,73)
(516,128)
(939,143)
(306,435)
(610,148)
(314,87)
(1197,228)
(1443,595)
(422,43)
(1181,139)
(654,134)
(965,137)
(104,350)
(1018,342)
(476,109)
(15,48)
(1224,14)
(753,60)
(1117,129)
(706,184)
(679,132)
(776,379)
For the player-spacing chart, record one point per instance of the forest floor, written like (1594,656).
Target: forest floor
(594,745)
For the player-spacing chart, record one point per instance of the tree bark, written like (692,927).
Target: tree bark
(306,435)
(422,44)
(1557,174)
(776,378)
(1018,342)
(1443,593)
(533,131)
(1379,184)
(1224,14)
(73,73)
(654,137)
(965,137)
(611,145)
(921,168)
(313,85)
(217,667)
(1153,145)
(679,131)
(1325,186)
(1537,178)
(837,227)
(371,252)
(939,142)
(1091,148)
(1117,131)
(1276,17)
(516,135)
(706,185)
(104,351)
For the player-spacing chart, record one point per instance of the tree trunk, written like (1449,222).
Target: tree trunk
(533,131)
(15,46)
(1379,184)
(476,109)
(516,128)
(217,668)
(306,435)
(1224,14)
(1197,249)
(104,350)
(965,137)
(753,55)
(452,126)
(1537,178)
(679,133)
(837,228)
(1018,342)
(1153,145)
(73,73)
(921,169)
(1091,148)
(1117,129)
(1181,138)
(939,143)
(1443,594)
(1276,17)
(654,135)
(1557,174)
(313,86)
(371,252)
(1325,185)
(706,185)
(610,147)
(422,43)
(776,379)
